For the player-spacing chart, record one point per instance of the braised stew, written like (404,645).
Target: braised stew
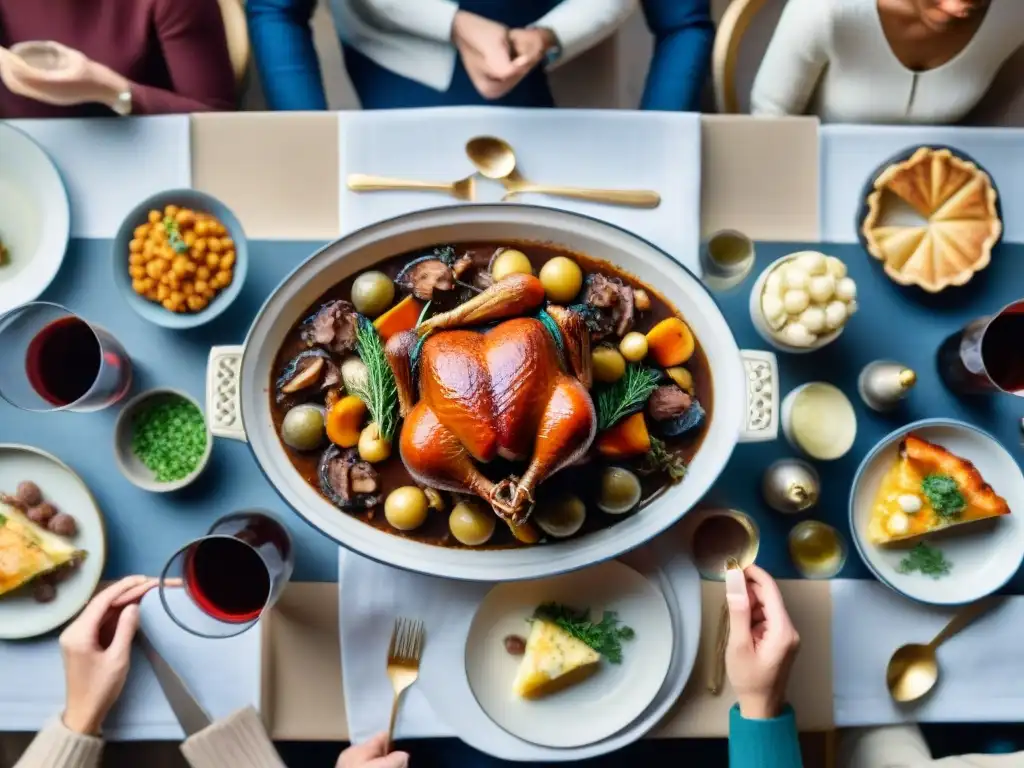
(437,395)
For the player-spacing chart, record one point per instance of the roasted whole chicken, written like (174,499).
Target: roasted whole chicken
(517,389)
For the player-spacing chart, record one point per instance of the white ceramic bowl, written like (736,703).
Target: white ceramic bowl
(134,470)
(761,325)
(745,389)
(790,435)
(985,555)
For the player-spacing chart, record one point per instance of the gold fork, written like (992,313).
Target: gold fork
(403,663)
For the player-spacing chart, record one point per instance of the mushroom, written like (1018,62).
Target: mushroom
(333,327)
(309,368)
(347,481)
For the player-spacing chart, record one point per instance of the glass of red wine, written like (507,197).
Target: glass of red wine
(53,360)
(987,355)
(221,584)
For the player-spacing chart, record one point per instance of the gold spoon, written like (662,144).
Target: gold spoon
(463,189)
(914,668)
(495,159)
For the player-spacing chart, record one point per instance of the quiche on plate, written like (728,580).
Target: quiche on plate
(960,225)
(28,551)
(553,660)
(929,489)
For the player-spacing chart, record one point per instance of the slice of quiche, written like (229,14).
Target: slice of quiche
(28,551)
(553,660)
(929,489)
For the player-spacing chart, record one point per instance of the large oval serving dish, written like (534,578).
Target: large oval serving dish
(743,384)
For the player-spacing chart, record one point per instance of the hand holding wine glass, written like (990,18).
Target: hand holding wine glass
(97,652)
(762,642)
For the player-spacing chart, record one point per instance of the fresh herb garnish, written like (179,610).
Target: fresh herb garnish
(3,519)
(626,396)
(604,637)
(379,391)
(944,494)
(927,560)
(661,459)
(178,245)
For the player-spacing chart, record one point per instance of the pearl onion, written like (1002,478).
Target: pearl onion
(821,288)
(909,503)
(846,289)
(813,319)
(813,263)
(835,315)
(773,285)
(774,312)
(836,268)
(796,302)
(851,308)
(796,278)
(797,335)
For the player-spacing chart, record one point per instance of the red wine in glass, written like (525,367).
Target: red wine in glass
(230,576)
(987,355)
(54,360)
(63,360)
(227,579)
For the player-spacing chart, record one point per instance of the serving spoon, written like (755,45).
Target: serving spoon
(913,669)
(463,189)
(496,159)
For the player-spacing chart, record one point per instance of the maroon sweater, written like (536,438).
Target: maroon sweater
(174,51)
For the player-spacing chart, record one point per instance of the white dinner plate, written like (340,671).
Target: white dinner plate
(607,701)
(35,218)
(20,615)
(984,554)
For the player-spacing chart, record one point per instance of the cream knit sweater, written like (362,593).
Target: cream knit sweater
(237,741)
(831,58)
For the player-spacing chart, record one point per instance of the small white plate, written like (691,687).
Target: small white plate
(20,615)
(603,704)
(35,218)
(984,555)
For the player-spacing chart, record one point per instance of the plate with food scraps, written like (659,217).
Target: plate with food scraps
(35,219)
(937,512)
(571,660)
(52,542)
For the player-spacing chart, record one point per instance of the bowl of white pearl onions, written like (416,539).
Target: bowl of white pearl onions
(802,301)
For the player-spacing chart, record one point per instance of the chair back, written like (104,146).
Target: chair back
(744,31)
(237,31)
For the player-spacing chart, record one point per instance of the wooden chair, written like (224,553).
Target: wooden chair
(737,54)
(237,30)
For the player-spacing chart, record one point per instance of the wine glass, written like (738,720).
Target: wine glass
(230,577)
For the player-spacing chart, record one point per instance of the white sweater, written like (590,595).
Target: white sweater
(412,38)
(831,58)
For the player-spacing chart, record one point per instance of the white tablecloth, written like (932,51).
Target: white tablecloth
(224,675)
(111,165)
(851,153)
(981,668)
(591,148)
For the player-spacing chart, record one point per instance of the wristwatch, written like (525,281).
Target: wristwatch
(554,51)
(123,103)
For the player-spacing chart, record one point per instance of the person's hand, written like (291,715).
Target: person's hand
(486,53)
(97,651)
(370,754)
(77,80)
(762,642)
(531,46)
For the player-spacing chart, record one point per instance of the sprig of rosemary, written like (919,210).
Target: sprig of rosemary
(927,560)
(626,396)
(380,391)
(660,459)
(605,637)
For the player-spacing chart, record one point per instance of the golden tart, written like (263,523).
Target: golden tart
(958,203)
(929,489)
(28,551)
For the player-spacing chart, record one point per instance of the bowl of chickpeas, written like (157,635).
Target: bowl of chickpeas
(180,258)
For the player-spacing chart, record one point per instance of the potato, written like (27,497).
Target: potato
(510,262)
(406,508)
(562,279)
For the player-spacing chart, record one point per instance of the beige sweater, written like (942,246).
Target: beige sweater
(237,741)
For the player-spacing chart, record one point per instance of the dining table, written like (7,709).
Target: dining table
(780,181)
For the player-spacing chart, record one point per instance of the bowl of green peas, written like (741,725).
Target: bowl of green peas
(161,442)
